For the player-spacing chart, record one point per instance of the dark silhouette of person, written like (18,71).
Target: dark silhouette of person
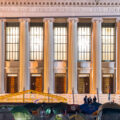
(89,100)
(85,100)
(94,99)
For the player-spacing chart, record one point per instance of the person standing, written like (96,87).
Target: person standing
(89,100)
(94,99)
(85,100)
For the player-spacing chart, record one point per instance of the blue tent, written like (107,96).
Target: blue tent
(89,108)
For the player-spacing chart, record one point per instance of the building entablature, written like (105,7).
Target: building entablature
(59,8)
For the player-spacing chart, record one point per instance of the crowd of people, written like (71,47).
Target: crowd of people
(89,100)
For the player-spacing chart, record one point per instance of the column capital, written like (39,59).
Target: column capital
(72,19)
(117,19)
(2,20)
(97,19)
(48,20)
(24,19)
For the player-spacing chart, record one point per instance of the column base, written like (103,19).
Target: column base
(75,92)
(2,92)
(93,92)
(51,91)
(118,92)
(21,90)
(100,92)
(69,92)
(45,91)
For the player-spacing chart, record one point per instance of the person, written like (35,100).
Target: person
(94,99)
(89,100)
(85,100)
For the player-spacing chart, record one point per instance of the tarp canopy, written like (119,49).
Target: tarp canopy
(20,112)
(89,108)
(32,106)
(109,111)
(110,105)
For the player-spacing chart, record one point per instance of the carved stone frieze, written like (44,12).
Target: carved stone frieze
(59,8)
(59,3)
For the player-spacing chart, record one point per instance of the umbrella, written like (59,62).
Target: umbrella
(20,112)
(89,108)
(77,117)
(5,114)
(59,117)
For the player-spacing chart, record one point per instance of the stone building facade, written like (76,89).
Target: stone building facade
(77,48)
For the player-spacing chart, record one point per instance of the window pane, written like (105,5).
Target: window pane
(108,42)
(60,42)
(36,41)
(84,41)
(12,41)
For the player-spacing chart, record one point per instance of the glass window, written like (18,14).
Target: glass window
(84,42)
(108,42)
(36,41)
(60,42)
(12,41)
(12,83)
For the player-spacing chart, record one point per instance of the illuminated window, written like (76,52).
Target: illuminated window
(108,42)
(36,41)
(12,41)
(60,42)
(84,41)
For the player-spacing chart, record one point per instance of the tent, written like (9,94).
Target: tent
(89,108)
(72,109)
(5,114)
(32,106)
(57,108)
(22,113)
(109,111)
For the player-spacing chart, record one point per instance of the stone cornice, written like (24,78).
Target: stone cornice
(59,8)
(59,3)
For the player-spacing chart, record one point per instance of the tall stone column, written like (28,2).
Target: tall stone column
(2,55)
(96,79)
(48,56)
(118,56)
(24,80)
(72,55)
